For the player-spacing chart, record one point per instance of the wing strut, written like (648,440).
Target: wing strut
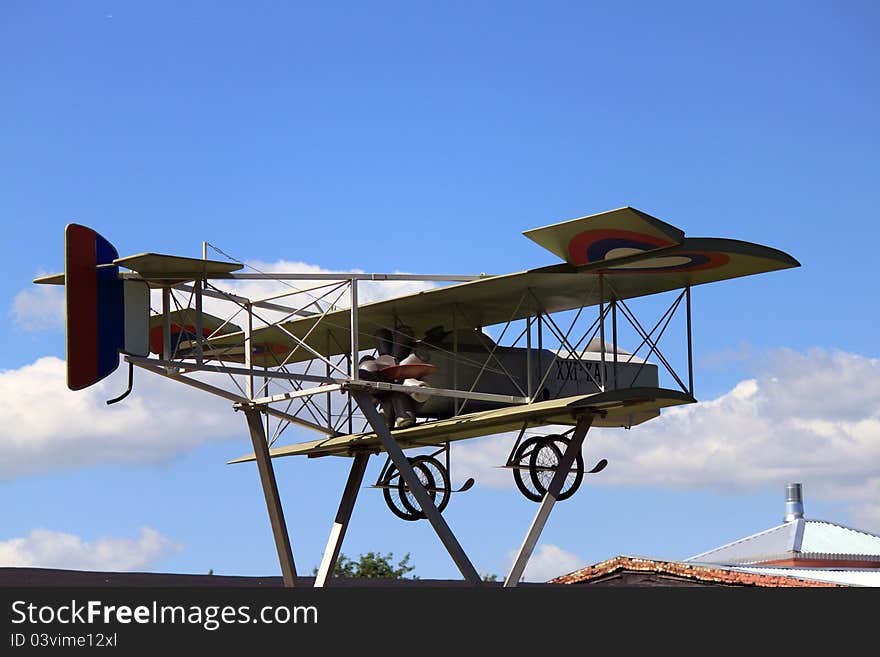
(565,463)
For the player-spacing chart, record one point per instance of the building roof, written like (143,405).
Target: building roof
(799,552)
(844,576)
(697,574)
(799,538)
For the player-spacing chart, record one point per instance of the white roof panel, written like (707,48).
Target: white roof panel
(772,543)
(799,538)
(830,538)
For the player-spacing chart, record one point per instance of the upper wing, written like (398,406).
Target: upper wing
(619,254)
(498,299)
(615,408)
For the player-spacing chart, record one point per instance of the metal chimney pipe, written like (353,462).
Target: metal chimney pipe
(794,502)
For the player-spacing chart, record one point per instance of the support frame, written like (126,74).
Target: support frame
(441,528)
(270,492)
(343,517)
(542,515)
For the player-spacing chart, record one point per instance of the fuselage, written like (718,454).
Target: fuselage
(473,362)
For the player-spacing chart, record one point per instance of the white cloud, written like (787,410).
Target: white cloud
(480,458)
(368,291)
(811,417)
(43,548)
(548,561)
(326,292)
(39,308)
(47,427)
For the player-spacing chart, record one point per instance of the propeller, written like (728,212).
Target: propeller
(397,344)
(397,360)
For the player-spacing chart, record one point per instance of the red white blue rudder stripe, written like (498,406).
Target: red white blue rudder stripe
(95,311)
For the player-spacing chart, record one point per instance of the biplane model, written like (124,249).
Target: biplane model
(487,354)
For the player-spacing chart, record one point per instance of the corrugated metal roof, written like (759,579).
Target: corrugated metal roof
(801,538)
(830,538)
(772,543)
(854,577)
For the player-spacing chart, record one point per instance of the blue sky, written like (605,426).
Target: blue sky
(425,137)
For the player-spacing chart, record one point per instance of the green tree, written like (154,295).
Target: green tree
(372,565)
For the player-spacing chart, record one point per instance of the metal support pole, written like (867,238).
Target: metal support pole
(405,468)
(349,404)
(602,330)
(166,329)
(199,286)
(268,394)
(166,323)
(249,350)
(273,500)
(614,337)
(329,399)
(355,349)
(456,405)
(529,357)
(343,516)
(690,344)
(562,471)
(541,372)
(198,322)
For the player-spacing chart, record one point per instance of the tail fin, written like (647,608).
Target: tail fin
(95,307)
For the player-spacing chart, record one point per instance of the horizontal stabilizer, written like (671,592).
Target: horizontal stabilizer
(169,269)
(606,236)
(50,279)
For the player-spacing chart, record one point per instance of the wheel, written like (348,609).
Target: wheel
(434,477)
(521,459)
(443,485)
(391,492)
(544,461)
(406,496)
(542,464)
(573,480)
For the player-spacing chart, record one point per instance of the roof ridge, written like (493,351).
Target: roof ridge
(837,524)
(797,539)
(713,573)
(738,541)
